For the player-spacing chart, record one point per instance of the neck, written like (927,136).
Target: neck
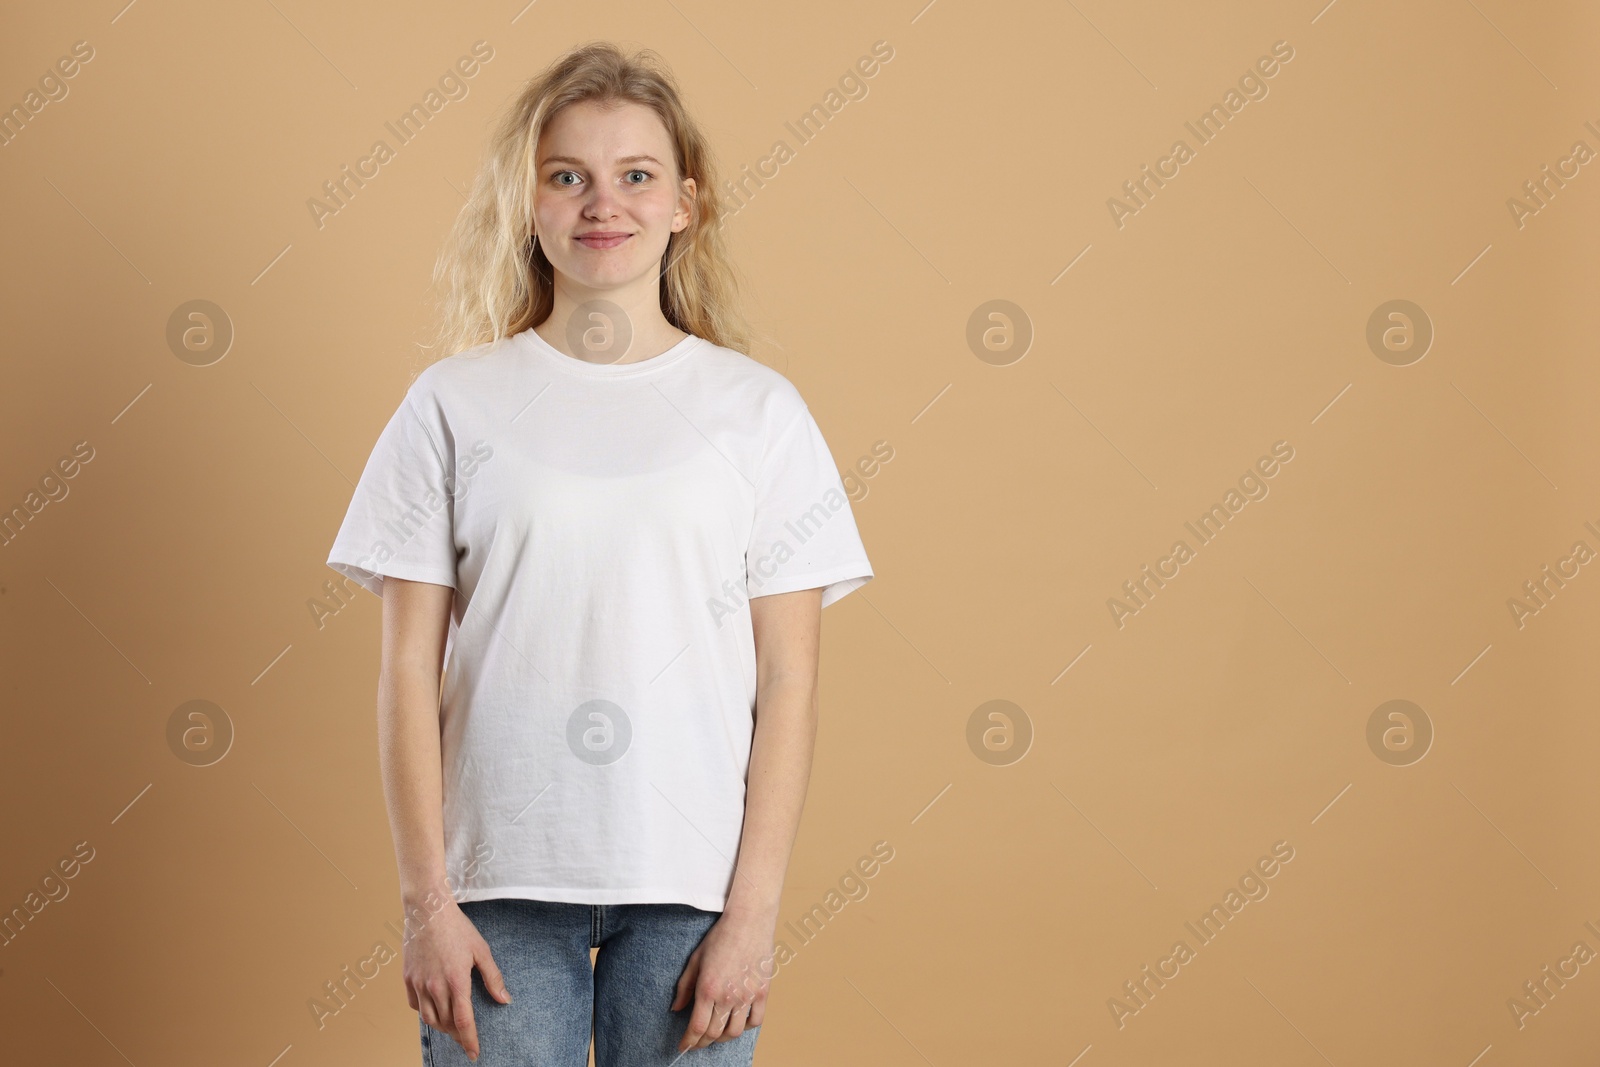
(608,326)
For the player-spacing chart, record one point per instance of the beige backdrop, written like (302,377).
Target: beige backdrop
(1064,389)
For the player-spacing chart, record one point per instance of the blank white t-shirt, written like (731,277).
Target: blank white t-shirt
(604,526)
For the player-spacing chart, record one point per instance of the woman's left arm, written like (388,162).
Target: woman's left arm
(727,975)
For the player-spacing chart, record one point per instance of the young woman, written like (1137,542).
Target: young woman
(612,532)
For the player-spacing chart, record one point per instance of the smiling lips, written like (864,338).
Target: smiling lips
(602,238)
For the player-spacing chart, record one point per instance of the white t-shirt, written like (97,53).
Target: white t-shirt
(603,526)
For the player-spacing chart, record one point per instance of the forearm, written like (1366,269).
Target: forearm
(408,755)
(775,793)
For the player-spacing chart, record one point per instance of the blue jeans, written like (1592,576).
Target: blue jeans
(558,998)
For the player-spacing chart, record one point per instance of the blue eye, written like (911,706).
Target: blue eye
(556,177)
(644,172)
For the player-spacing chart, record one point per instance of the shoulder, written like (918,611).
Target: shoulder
(462,374)
(740,379)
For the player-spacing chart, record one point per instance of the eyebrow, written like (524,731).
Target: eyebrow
(625,159)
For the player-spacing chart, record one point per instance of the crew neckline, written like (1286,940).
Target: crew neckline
(582,367)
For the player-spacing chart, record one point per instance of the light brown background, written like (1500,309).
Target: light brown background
(1227,315)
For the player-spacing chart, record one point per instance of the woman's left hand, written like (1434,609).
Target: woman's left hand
(726,979)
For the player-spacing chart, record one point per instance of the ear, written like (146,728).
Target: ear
(683,214)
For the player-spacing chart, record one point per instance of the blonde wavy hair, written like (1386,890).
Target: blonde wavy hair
(499,281)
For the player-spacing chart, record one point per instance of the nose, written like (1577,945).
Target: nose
(601,204)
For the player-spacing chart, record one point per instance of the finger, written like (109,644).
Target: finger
(436,996)
(719,1022)
(736,1023)
(467,1030)
(698,1021)
(493,981)
(427,1009)
(691,971)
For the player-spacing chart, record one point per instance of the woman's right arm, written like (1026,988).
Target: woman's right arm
(442,945)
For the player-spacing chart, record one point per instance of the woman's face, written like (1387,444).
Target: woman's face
(607,197)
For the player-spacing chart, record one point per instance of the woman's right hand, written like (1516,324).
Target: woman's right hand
(437,968)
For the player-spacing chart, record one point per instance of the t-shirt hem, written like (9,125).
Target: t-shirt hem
(565,895)
(833,576)
(371,578)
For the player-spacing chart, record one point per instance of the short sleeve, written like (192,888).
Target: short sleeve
(400,521)
(804,534)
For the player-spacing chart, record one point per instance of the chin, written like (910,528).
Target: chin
(607,279)
(609,271)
